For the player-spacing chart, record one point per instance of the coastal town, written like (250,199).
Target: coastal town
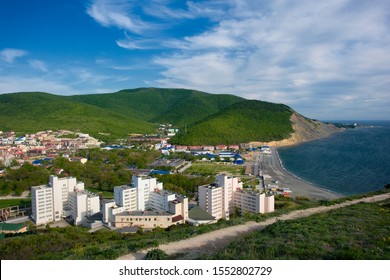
(143,202)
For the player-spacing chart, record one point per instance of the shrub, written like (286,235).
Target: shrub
(156,254)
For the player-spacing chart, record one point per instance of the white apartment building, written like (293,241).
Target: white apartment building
(61,198)
(217,199)
(143,194)
(126,196)
(220,199)
(253,202)
(42,204)
(159,200)
(211,200)
(83,204)
(62,187)
(145,185)
(177,214)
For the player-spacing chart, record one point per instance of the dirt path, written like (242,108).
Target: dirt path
(209,242)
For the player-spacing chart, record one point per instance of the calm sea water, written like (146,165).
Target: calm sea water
(351,162)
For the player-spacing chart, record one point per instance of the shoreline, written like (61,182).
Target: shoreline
(273,169)
(303,180)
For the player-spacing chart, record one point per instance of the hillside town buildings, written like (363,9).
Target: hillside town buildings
(220,199)
(45,144)
(61,198)
(144,203)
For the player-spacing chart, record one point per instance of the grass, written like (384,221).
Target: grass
(360,231)
(13,202)
(214,168)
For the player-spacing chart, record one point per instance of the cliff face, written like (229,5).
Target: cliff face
(304,130)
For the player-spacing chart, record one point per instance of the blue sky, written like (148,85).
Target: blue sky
(326,59)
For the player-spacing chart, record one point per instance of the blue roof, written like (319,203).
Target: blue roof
(159,172)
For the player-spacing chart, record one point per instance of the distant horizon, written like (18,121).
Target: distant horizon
(322,59)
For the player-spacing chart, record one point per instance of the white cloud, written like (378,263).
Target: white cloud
(307,54)
(38,64)
(9,84)
(119,14)
(9,55)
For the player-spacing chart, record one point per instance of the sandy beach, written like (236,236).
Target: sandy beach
(271,165)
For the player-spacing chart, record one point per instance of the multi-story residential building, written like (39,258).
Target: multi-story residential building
(177,214)
(63,197)
(83,204)
(62,187)
(42,204)
(253,202)
(210,200)
(126,196)
(145,185)
(217,199)
(159,199)
(220,199)
(140,197)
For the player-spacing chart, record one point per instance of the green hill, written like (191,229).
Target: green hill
(246,121)
(206,118)
(33,111)
(158,105)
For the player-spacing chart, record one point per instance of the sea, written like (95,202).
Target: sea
(351,162)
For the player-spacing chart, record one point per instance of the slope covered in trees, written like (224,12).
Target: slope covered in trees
(34,111)
(203,118)
(246,121)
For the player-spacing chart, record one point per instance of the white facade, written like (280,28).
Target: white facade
(269,204)
(126,196)
(61,189)
(159,200)
(63,197)
(220,199)
(210,200)
(83,204)
(144,193)
(42,204)
(144,186)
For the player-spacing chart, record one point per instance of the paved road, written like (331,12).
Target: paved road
(192,248)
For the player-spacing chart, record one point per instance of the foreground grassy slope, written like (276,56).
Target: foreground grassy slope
(245,121)
(158,105)
(34,111)
(361,231)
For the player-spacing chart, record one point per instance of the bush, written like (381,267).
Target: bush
(156,254)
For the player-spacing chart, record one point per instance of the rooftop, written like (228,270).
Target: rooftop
(11,227)
(144,213)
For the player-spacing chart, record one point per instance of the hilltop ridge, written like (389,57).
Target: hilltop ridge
(203,118)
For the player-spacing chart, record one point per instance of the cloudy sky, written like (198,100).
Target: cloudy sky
(326,59)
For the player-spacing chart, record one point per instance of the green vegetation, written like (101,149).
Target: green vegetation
(360,231)
(34,111)
(16,181)
(77,243)
(157,105)
(206,169)
(103,171)
(156,254)
(210,119)
(182,184)
(106,169)
(242,122)
(14,202)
